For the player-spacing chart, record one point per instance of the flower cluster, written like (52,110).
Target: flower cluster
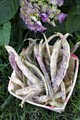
(34,12)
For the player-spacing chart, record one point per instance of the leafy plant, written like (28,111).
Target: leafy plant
(5,30)
(8,9)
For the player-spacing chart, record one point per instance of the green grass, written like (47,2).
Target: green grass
(9,105)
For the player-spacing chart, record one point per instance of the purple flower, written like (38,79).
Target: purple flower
(60,2)
(44,17)
(31,27)
(39,26)
(61,17)
(36,26)
(34,13)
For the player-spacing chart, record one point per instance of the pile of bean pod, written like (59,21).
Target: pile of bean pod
(43,73)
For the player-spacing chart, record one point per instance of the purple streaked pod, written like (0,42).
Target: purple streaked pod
(64,63)
(22,66)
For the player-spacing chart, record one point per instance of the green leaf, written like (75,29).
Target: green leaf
(5,30)
(78,2)
(8,9)
(77,118)
(73,23)
(77,11)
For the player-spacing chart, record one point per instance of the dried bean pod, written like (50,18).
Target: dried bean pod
(41,99)
(17,81)
(38,72)
(22,67)
(75,47)
(38,56)
(14,65)
(64,63)
(47,46)
(63,91)
(34,88)
(53,59)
